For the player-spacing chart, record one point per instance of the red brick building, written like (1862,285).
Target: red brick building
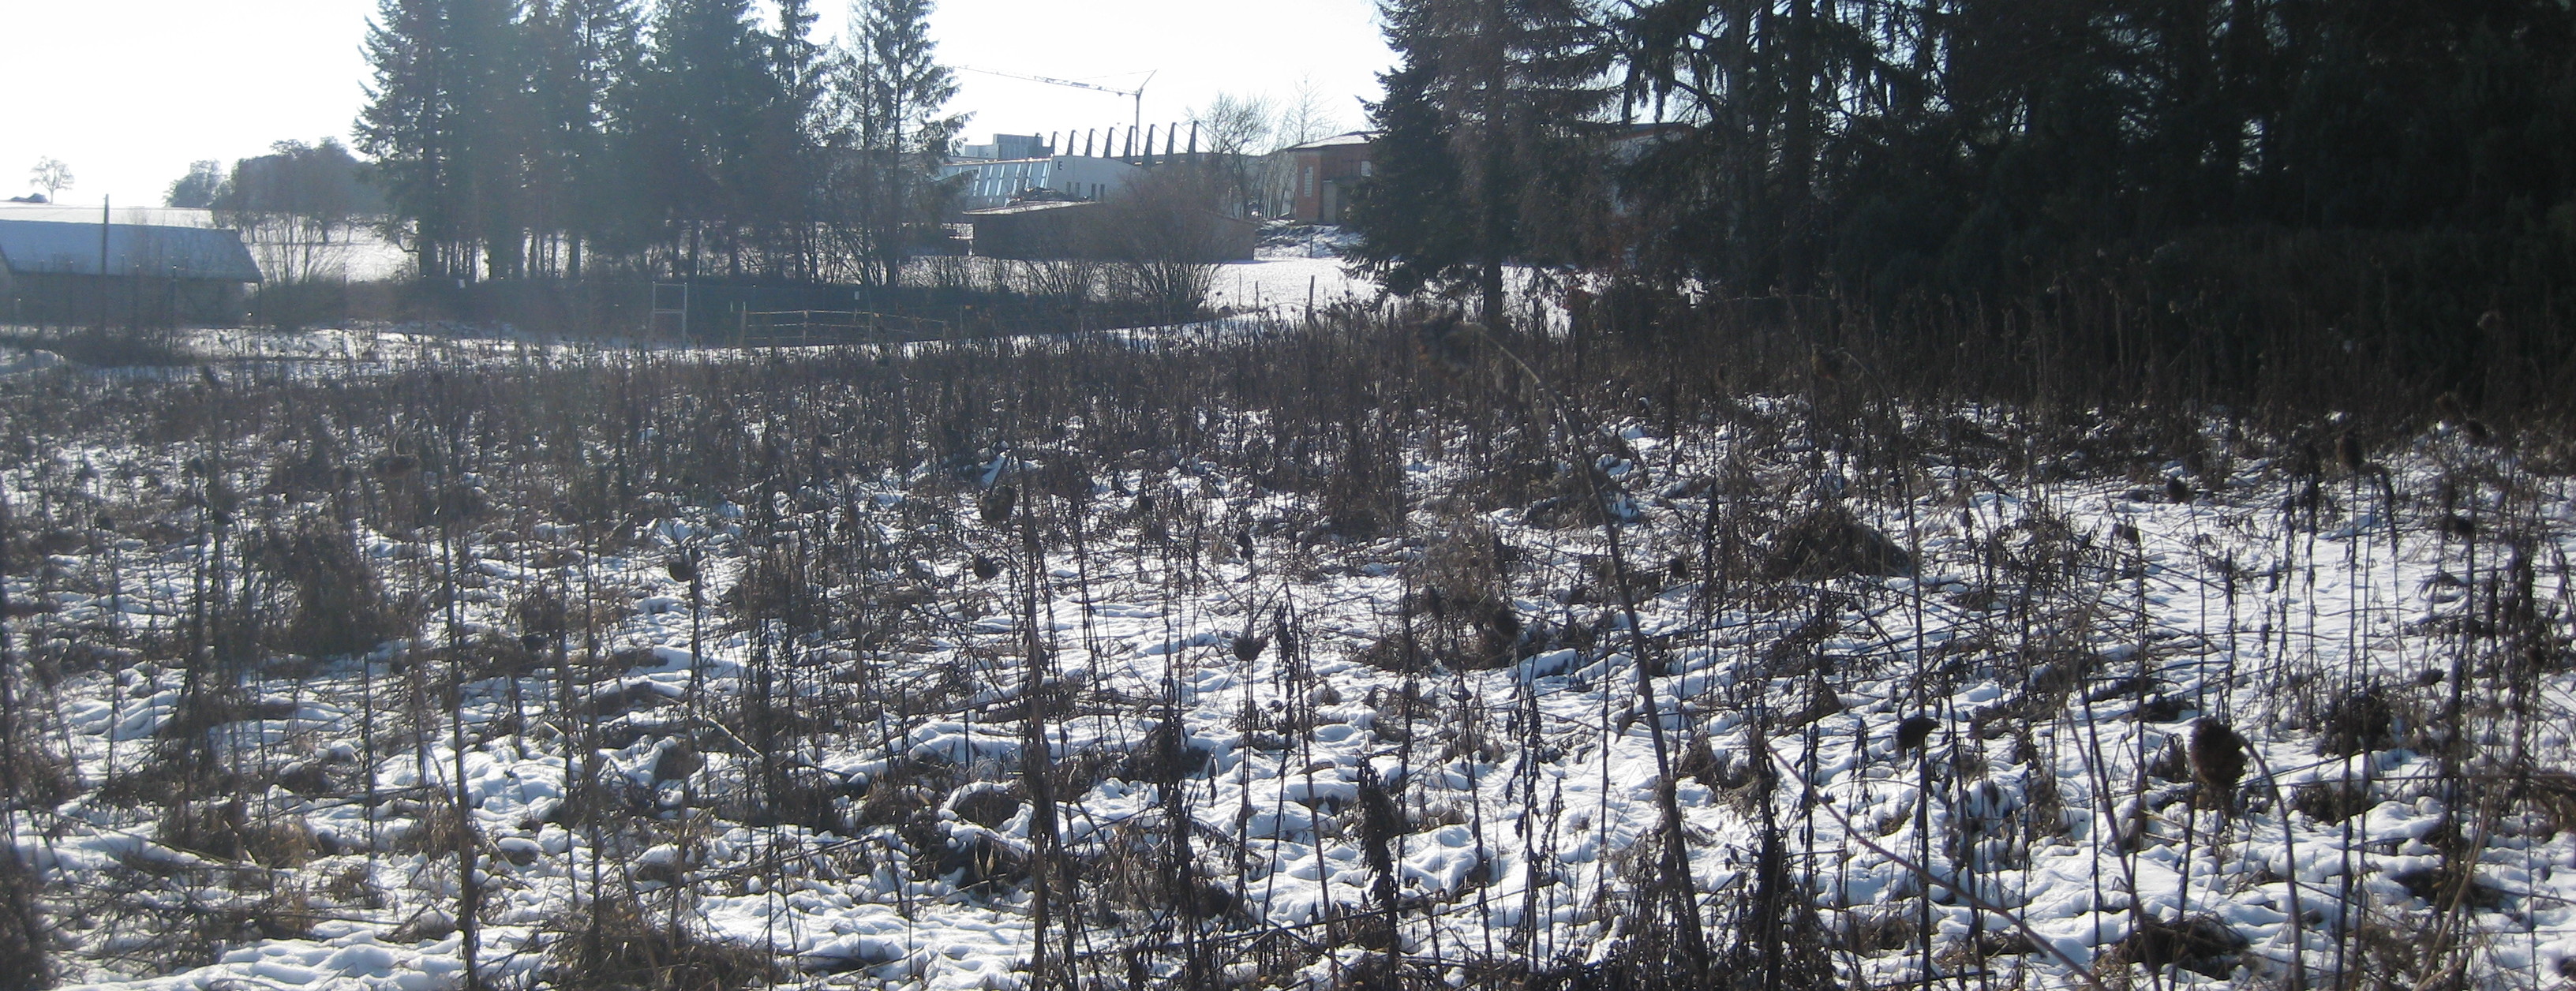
(1319,176)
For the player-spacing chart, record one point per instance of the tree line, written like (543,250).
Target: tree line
(1896,155)
(564,138)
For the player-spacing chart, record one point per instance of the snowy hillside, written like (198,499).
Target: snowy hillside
(1330,659)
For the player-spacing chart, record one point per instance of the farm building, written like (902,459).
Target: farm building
(55,273)
(1321,174)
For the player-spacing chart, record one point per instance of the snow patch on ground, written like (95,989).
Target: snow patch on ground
(17,361)
(1285,240)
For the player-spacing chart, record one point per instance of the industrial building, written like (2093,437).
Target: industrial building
(1009,147)
(995,183)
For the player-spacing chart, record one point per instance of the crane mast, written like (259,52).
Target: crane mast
(1138,94)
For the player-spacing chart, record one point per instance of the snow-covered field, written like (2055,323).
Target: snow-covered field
(1967,695)
(1285,285)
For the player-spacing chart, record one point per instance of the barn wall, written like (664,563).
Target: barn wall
(130,301)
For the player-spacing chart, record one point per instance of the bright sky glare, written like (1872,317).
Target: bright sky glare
(128,92)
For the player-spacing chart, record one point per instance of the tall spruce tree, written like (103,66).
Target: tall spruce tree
(444,120)
(410,126)
(1906,146)
(890,98)
(496,135)
(788,138)
(1416,227)
(690,123)
(794,55)
(579,50)
(1516,88)
(1750,83)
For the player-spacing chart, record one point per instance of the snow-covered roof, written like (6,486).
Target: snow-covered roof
(69,213)
(40,247)
(1032,206)
(962,164)
(1338,140)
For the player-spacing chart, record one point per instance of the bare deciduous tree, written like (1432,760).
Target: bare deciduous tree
(1167,236)
(298,208)
(1236,127)
(1303,118)
(1306,116)
(50,175)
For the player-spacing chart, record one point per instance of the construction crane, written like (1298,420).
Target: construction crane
(1138,93)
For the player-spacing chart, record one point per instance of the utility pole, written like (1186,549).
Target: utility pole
(106,205)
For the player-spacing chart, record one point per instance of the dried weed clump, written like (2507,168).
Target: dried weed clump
(620,945)
(1828,542)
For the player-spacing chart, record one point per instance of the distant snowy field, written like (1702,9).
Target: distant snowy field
(1281,277)
(1254,292)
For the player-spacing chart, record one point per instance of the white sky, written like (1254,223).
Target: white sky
(128,92)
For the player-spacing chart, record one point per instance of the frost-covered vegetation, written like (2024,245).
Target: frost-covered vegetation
(1354,654)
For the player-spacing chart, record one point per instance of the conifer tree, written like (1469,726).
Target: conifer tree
(1911,148)
(409,125)
(445,122)
(1412,213)
(691,117)
(787,139)
(1515,87)
(795,56)
(579,50)
(892,130)
(496,134)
